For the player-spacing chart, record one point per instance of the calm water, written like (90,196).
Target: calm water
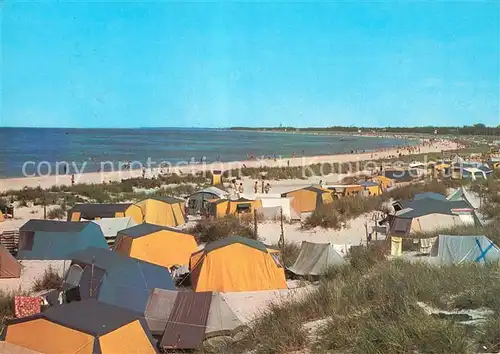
(92,146)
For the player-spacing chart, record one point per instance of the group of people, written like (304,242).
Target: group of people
(239,189)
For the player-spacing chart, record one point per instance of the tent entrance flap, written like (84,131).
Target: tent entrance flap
(243,207)
(482,256)
(187,322)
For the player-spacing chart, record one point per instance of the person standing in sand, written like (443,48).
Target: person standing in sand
(256,187)
(268,188)
(241,189)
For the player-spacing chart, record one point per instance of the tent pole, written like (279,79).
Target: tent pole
(282,237)
(255,222)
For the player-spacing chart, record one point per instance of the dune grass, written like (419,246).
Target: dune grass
(216,229)
(50,280)
(370,306)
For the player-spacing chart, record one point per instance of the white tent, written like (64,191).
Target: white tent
(273,205)
(221,318)
(315,258)
(462,194)
(465,249)
(111,226)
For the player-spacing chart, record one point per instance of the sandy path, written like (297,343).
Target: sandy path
(100,177)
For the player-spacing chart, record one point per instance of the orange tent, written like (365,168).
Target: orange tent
(309,198)
(100,211)
(236,264)
(161,245)
(9,266)
(81,327)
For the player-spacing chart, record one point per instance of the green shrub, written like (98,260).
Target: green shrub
(216,229)
(325,216)
(50,280)
(335,214)
(6,307)
(56,213)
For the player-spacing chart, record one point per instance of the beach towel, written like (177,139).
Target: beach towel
(26,305)
(426,244)
(396,246)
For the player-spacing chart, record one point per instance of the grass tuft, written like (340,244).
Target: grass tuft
(50,280)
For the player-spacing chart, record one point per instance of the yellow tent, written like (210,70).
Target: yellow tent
(236,264)
(1,216)
(218,208)
(163,211)
(372,188)
(384,182)
(100,211)
(243,205)
(353,189)
(81,327)
(222,207)
(309,198)
(155,244)
(216,178)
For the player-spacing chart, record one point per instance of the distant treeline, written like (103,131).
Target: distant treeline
(476,129)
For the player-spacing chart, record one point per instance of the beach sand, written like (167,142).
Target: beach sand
(100,177)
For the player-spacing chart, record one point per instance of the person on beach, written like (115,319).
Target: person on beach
(143,172)
(72,180)
(240,188)
(262,187)
(256,187)
(268,188)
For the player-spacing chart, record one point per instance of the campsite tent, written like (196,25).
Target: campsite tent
(216,177)
(429,214)
(163,211)
(84,327)
(118,280)
(9,266)
(429,195)
(401,175)
(384,182)
(155,244)
(473,173)
(111,226)
(218,317)
(315,258)
(218,208)
(464,249)
(198,201)
(236,264)
(309,198)
(273,206)
(243,205)
(53,240)
(371,188)
(462,194)
(346,190)
(99,211)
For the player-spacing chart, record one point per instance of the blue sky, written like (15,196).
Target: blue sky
(136,64)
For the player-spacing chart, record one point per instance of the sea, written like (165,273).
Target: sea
(28,151)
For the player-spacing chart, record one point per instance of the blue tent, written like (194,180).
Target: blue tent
(52,245)
(119,280)
(429,195)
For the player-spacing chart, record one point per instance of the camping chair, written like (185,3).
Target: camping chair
(74,276)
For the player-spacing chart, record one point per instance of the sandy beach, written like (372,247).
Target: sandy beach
(100,177)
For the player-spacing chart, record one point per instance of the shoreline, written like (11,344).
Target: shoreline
(48,181)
